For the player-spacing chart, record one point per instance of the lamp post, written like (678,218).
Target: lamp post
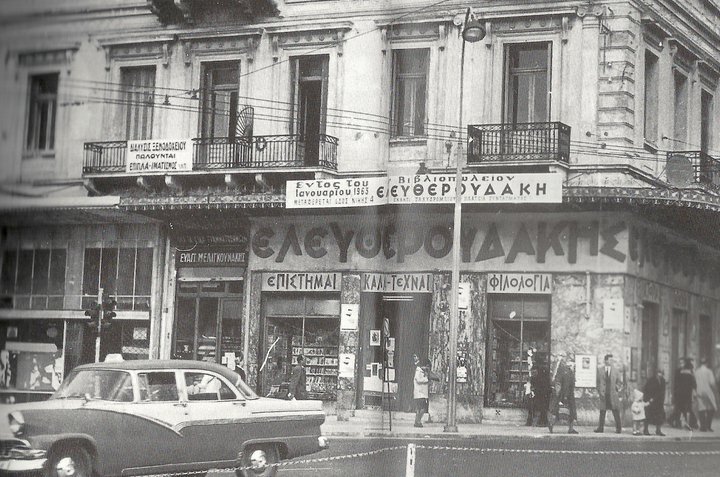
(472,32)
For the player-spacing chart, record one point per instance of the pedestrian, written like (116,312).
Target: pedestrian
(706,389)
(684,388)
(655,395)
(563,397)
(638,412)
(540,391)
(297,388)
(674,418)
(609,386)
(421,390)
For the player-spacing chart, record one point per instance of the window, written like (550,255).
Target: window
(310,78)
(42,110)
(98,384)
(681,110)
(124,274)
(220,84)
(159,386)
(138,84)
(206,387)
(409,90)
(706,114)
(651,98)
(34,278)
(527,83)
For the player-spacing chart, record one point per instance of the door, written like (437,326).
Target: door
(219,112)
(310,105)
(649,350)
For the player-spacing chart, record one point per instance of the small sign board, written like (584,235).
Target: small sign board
(159,155)
(585,371)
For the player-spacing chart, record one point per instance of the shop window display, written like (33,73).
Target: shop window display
(519,327)
(315,337)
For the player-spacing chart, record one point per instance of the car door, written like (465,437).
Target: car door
(217,417)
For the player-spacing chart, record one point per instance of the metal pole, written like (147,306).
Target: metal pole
(451,425)
(99,326)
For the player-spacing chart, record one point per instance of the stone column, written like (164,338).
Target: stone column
(346,386)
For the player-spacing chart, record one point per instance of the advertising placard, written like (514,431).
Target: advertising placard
(301,281)
(423,189)
(159,155)
(585,370)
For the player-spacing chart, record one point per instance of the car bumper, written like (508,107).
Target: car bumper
(22,461)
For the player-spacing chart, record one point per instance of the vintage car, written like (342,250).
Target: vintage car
(152,417)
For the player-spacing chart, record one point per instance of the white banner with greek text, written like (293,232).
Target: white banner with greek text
(423,189)
(159,155)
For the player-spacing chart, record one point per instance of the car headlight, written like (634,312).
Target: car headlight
(17,423)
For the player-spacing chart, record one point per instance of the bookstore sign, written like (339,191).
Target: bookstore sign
(301,282)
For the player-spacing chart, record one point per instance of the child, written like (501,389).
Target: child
(638,412)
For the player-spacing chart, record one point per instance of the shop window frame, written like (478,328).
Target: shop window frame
(125,301)
(32,298)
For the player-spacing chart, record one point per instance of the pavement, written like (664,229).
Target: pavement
(377,424)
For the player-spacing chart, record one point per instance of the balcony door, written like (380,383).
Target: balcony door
(138,86)
(310,79)
(218,113)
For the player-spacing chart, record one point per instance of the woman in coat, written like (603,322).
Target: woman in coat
(684,388)
(654,392)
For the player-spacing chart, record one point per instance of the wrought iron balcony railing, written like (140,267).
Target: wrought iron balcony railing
(524,142)
(255,152)
(693,168)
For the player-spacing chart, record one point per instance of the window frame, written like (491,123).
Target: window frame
(680,141)
(396,100)
(88,298)
(207,87)
(508,113)
(707,137)
(30,296)
(30,147)
(129,91)
(651,85)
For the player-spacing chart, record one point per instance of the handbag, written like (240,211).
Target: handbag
(563,411)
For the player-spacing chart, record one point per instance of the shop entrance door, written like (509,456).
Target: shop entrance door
(408,318)
(208,321)
(649,350)
(516,324)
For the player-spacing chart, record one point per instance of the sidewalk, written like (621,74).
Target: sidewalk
(374,424)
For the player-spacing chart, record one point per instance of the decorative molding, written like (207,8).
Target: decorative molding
(488,34)
(413,31)
(58,55)
(708,74)
(527,24)
(681,55)
(308,37)
(565,25)
(201,43)
(590,10)
(155,49)
(654,34)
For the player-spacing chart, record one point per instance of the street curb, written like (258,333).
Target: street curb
(557,435)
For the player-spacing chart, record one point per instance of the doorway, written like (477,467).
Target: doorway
(516,324)
(394,328)
(208,321)
(649,345)
(310,103)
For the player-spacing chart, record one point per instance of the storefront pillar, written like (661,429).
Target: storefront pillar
(160,259)
(348,345)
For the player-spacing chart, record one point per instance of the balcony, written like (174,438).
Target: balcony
(251,154)
(526,143)
(692,169)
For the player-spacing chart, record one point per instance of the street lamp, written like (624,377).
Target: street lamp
(472,31)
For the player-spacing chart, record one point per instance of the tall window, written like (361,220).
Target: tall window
(651,97)
(310,79)
(410,74)
(138,85)
(33,278)
(681,110)
(220,84)
(706,114)
(42,111)
(527,83)
(125,274)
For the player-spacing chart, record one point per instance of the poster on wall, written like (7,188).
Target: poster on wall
(349,316)
(585,370)
(347,365)
(613,314)
(37,366)
(374,337)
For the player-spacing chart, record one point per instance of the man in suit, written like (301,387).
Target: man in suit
(609,385)
(297,380)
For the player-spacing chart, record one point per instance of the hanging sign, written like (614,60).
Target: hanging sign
(536,283)
(211,257)
(423,189)
(159,155)
(301,281)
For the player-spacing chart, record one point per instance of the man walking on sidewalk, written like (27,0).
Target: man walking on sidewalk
(421,390)
(706,389)
(564,393)
(608,386)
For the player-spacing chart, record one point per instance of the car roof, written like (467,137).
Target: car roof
(155,364)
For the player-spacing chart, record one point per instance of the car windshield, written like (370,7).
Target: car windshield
(105,385)
(244,388)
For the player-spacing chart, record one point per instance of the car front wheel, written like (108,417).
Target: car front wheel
(69,462)
(257,462)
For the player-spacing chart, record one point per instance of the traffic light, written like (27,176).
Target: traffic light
(108,307)
(93,314)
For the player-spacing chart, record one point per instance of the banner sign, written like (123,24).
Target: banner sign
(159,155)
(211,257)
(423,189)
(397,282)
(303,281)
(535,283)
